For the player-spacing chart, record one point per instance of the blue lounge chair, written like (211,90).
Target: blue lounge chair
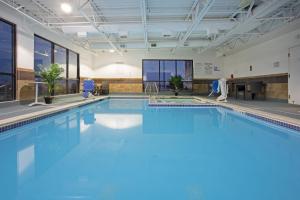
(88,87)
(215,88)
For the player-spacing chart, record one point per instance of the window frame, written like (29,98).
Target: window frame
(53,44)
(14,59)
(78,71)
(159,70)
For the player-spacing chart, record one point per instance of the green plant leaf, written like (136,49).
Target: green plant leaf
(50,76)
(176,82)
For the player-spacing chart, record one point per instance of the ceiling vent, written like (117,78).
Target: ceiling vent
(166,34)
(123,35)
(153,45)
(185,44)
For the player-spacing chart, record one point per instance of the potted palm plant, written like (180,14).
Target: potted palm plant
(50,76)
(176,84)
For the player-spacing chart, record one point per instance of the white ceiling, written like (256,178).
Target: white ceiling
(166,24)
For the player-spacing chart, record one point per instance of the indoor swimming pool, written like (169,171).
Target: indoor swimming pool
(125,149)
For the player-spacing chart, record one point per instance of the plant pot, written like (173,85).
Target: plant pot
(48,100)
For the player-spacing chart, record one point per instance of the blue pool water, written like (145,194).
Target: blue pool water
(123,149)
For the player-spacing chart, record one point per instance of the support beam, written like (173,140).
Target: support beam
(98,29)
(249,23)
(250,8)
(199,10)
(144,21)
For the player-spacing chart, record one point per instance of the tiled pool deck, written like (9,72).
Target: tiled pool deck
(278,113)
(283,119)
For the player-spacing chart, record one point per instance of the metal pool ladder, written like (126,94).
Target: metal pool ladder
(151,89)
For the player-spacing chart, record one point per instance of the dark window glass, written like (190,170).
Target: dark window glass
(164,85)
(60,57)
(189,70)
(151,70)
(6,47)
(60,87)
(7,61)
(167,69)
(42,54)
(6,87)
(73,86)
(73,65)
(185,70)
(160,71)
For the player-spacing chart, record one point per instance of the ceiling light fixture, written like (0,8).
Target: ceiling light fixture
(82,34)
(111,51)
(66,7)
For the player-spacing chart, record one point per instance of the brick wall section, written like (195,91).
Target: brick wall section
(122,85)
(125,88)
(202,86)
(277,91)
(276,85)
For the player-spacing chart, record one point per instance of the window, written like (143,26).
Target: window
(60,57)
(160,71)
(73,73)
(7,61)
(151,71)
(47,52)
(42,54)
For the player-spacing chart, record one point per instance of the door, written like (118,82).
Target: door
(294,75)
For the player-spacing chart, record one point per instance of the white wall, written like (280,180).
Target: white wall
(262,57)
(26,28)
(112,65)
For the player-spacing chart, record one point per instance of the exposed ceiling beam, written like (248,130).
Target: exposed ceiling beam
(106,37)
(249,23)
(19,10)
(199,10)
(144,21)
(250,8)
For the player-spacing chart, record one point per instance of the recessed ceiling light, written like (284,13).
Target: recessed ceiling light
(66,7)
(112,51)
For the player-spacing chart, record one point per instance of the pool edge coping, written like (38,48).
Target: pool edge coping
(17,121)
(280,120)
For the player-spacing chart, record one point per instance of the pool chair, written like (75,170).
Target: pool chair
(88,88)
(215,88)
